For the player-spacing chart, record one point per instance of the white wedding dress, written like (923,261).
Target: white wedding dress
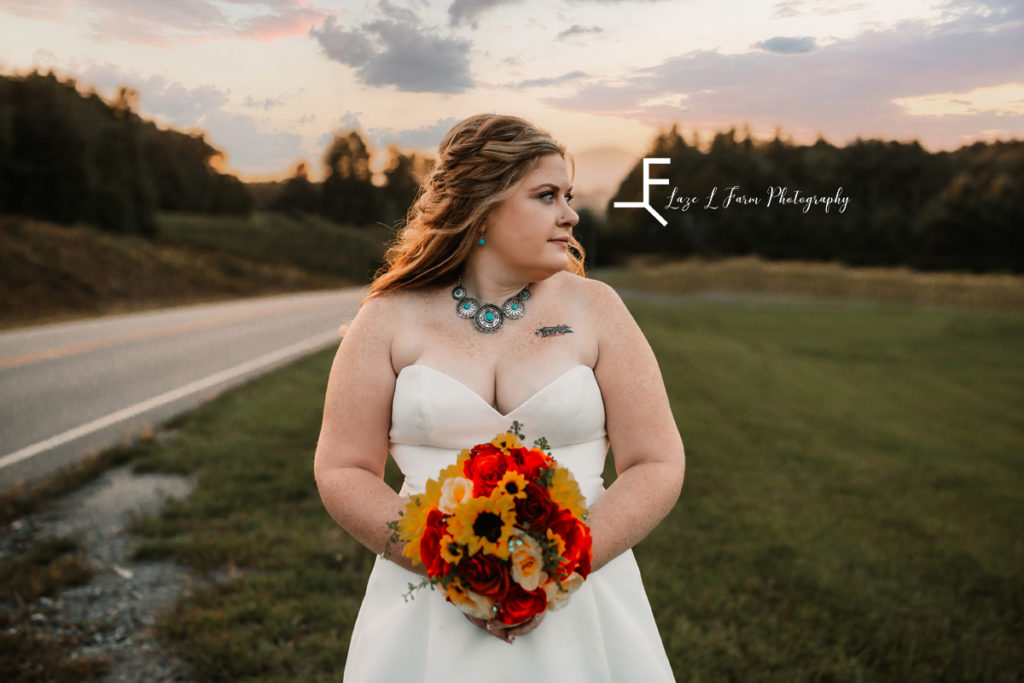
(605,633)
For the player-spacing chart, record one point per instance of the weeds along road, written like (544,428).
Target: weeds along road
(69,389)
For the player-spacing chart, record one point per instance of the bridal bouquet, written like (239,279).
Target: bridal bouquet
(503,531)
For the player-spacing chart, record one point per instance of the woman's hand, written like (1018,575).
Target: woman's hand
(503,631)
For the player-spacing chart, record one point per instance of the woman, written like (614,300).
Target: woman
(426,369)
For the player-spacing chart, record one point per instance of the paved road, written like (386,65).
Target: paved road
(72,388)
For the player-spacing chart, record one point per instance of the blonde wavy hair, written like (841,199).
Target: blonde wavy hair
(479,161)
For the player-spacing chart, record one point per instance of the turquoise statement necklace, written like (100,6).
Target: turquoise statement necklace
(489,318)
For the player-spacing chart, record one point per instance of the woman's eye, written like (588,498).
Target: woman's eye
(550,196)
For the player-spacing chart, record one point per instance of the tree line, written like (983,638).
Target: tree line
(960,210)
(68,156)
(347,194)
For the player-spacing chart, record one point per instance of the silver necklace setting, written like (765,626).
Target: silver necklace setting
(489,318)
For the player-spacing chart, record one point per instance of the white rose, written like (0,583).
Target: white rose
(557,599)
(473,604)
(454,492)
(528,563)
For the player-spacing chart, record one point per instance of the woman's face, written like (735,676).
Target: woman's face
(531,228)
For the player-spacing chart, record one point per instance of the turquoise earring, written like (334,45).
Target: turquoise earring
(480,241)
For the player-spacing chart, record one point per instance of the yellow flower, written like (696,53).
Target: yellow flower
(566,492)
(512,484)
(558,542)
(413,521)
(528,563)
(484,524)
(507,441)
(454,470)
(473,604)
(450,550)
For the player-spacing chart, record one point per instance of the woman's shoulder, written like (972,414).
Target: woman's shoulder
(383,312)
(376,312)
(393,302)
(597,307)
(586,291)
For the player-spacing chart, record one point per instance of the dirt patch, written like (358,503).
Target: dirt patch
(112,615)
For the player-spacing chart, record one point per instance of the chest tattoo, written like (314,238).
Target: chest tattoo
(553,330)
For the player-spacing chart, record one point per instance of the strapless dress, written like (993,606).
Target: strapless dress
(606,632)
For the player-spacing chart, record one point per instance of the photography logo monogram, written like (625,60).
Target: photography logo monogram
(776,195)
(648,181)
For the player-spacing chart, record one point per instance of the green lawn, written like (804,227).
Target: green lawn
(851,509)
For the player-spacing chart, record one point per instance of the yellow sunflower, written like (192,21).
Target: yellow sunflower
(566,492)
(484,524)
(556,542)
(507,441)
(451,551)
(454,470)
(413,521)
(512,484)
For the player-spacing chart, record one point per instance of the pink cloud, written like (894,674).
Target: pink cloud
(166,23)
(291,21)
(46,10)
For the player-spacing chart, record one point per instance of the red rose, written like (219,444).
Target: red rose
(530,461)
(484,448)
(520,605)
(586,554)
(486,575)
(534,511)
(485,467)
(430,544)
(576,537)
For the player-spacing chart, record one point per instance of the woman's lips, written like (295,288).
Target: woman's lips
(560,240)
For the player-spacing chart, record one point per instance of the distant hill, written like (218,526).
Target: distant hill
(50,272)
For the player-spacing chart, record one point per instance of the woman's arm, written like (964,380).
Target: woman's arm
(649,456)
(353,444)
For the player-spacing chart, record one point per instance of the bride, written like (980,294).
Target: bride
(482,316)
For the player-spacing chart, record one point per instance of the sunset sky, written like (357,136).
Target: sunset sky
(272,80)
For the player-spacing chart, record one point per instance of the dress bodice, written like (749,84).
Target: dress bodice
(434,416)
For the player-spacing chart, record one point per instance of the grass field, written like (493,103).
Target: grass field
(851,510)
(820,280)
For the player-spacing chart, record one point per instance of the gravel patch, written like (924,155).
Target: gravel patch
(112,616)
